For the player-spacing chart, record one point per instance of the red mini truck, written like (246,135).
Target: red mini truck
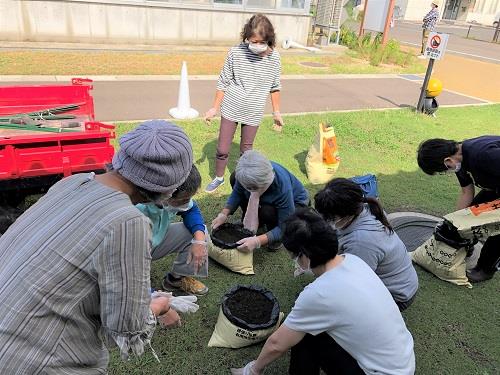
(48,132)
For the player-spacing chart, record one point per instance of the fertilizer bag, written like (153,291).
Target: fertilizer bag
(477,222)
(223,248)
(248,315)
(323,159)
(444,255)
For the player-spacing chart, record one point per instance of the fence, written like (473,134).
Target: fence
(484,33)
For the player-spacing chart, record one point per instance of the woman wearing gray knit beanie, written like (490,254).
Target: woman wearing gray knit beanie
(75,267)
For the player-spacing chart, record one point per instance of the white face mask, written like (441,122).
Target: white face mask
(299,270)
(458,166)
(257,48)
(183,208)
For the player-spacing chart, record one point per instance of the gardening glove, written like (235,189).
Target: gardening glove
(210,114)
(278,122)
(198,254)
(219,220)
(247,370)
(182,304)
(249,244)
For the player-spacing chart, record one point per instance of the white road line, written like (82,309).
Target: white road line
(461,53)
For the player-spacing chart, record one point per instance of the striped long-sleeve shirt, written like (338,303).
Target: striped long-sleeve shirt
(247,79)
(74,271)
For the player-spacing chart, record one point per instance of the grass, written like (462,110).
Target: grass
(455,329)
(164,63)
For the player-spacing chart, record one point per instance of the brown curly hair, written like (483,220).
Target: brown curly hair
(260,25)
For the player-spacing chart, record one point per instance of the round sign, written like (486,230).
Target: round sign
(435,41)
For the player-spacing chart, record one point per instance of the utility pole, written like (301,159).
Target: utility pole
(361,31)
(390,12)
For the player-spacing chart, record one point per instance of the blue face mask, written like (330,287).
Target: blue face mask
(177,209)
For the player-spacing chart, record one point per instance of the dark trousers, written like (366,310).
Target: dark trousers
(490,253)
(402,306)
(313,353)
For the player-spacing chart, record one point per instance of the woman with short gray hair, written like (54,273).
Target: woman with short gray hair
(267,194)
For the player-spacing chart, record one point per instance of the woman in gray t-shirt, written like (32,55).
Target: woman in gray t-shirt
(251,71)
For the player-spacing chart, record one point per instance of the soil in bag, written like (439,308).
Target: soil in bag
(227,235)
(251,307)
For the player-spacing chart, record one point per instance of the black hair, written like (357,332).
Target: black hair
(191,185)
(306,232)
(259,24)
(343,197)
(432,152)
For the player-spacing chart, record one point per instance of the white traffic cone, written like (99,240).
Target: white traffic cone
(183,109)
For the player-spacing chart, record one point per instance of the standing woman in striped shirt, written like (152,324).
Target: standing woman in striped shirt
(251,71)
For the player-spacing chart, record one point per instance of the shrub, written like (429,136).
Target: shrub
(372,49)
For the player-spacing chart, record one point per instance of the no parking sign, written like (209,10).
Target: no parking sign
(436,45)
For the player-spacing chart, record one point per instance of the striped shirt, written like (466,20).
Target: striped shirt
(430,19)
(74,271)
(246,80)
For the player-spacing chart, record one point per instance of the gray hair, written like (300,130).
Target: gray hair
(254,171)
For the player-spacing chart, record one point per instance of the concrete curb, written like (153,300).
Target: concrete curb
(319,112)
(107,78)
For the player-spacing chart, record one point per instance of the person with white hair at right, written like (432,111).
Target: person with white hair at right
(267,194)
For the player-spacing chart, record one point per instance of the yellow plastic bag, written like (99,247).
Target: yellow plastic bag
(228,335)
(480,221)
(442,260)
(323,159)
(232,259)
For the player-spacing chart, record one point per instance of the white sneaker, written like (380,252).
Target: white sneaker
(422,57)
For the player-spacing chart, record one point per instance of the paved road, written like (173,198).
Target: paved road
(136,100)
(410,33)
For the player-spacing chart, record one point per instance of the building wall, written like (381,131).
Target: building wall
(415,10)
(115,21)
(480,11)
(485,12)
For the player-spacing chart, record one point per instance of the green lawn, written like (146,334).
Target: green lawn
(161,62)
(456,330)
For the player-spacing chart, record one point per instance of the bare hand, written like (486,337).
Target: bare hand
(170,319)
(210,114)
(278,122)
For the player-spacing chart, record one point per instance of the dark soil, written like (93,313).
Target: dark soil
(228,234)
(250,306)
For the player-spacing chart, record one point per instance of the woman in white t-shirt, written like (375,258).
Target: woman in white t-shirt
(345,321)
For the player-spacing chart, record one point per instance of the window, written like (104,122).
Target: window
(232,2)
(295,4)
(270,4)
